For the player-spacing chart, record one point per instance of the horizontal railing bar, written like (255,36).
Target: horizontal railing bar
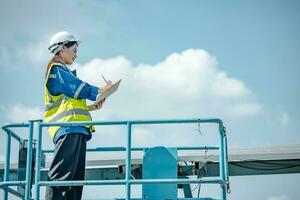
(140,149)
(11,183)
(7,129)
(199,148)
(145,148)
(93,123)
(132,182)
(15,125)
(178,181)
(80,183)
(174,121)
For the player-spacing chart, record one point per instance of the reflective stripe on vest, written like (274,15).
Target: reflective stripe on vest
(68,113)
(55,104)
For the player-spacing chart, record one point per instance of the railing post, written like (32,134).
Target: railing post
(222,161)
(7,163)
(29,161)
(128,161)
(226,161)
(38,161)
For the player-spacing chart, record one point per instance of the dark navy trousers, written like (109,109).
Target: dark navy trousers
(68,164)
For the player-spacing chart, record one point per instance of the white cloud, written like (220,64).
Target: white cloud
(229,87)
(21,113)
(186,84)
(246,108)
(36,53)
(282,197)
(33,54)
(284,118)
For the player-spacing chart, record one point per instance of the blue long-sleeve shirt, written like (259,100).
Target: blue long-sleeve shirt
(64,81)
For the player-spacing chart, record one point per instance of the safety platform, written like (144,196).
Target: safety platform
(161,171)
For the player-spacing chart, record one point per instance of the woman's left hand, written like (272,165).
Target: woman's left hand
(100,104)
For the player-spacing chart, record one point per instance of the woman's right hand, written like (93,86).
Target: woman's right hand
(106,87)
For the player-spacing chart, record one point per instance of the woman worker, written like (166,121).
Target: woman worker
(65,101)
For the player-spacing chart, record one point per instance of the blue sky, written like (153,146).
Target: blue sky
(237,60)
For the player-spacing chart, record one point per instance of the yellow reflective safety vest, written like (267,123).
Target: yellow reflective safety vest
(62,108)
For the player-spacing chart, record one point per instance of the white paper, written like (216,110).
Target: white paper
(104,95)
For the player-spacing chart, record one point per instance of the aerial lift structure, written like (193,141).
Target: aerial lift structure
(158,171)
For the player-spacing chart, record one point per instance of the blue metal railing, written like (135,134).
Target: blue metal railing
(223,178)
(6,183)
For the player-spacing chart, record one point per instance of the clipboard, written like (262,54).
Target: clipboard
(104,95)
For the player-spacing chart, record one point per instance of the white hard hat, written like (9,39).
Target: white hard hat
(59,39)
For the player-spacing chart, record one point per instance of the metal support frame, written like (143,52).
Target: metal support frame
(7,162)
(222,180)
(5,185)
